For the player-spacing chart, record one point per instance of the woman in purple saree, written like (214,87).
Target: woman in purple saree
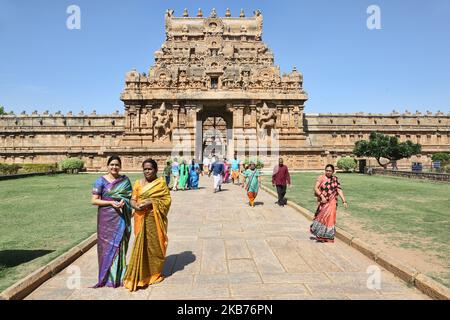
(112,194)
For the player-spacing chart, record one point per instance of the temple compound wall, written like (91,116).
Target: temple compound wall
(45,138)
(213,88)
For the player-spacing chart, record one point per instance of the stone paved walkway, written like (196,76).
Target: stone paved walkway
(219,248)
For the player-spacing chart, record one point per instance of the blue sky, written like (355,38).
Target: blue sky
(346,67)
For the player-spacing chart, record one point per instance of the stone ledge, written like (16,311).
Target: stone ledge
(27,285)
(364,248)
(431,288)
(404,272)
(425,284)
(27,175)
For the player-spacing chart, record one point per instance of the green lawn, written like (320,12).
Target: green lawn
(41,218)
(412,214)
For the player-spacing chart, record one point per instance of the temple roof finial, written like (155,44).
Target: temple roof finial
(199,12)
(185,13)
(242,14)
(228,13)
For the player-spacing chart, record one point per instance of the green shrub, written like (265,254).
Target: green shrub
(443,157)
(347,164)
(8,169)
(71,164)
(259,163)
(38,167)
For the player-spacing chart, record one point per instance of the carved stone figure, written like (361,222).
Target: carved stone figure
(162,122)
(266,120)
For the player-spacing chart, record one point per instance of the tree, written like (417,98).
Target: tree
(443,157)
(347,164)
(387,147)
(2,110)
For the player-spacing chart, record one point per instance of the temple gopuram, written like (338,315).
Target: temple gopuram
(213,88)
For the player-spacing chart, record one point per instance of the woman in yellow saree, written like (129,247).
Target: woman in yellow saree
(151,201)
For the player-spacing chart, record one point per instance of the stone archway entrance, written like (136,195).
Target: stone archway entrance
(214,134)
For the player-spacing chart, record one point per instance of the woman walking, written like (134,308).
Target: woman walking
(226,169)
(326,190)
(184,175)
(252,182)
(112,193)
(176,174)
(151,200)
(194,174)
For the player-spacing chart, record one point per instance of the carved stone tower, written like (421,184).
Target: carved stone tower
(213,88)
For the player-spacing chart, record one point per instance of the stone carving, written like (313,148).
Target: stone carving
(208,45)
(266,120)
(162,123)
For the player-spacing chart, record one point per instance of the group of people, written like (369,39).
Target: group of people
(326,190)
(185,176)
(149,200)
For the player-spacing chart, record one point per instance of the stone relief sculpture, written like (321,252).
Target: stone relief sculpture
(266,120)
(162,123)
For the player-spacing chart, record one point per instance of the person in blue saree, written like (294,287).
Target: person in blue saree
(194,174)
(112,194)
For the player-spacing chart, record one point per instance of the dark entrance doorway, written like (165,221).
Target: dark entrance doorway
(214,126)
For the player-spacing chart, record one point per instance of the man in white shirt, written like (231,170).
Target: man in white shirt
(206,163)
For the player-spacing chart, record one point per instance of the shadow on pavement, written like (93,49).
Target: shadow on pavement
(177,262)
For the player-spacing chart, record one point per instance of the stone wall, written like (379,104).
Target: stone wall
(46,138)
(416,175)
(336,134)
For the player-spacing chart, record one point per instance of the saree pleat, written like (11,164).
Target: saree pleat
(150,246)
(323,225)
(113,234)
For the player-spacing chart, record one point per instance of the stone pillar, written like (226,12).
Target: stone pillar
(253,112)
(175,114)
(149,116)
(132,118)
(127,117)
(238,137)
(198,130)
(254,128)
(279,121)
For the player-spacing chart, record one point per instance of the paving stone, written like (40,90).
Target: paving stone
(47,293)
(291,260)
(265,259)
(267,289)
(311,277)
(225,279)
(214,258)
(189,292)
(241,265)
(237,249)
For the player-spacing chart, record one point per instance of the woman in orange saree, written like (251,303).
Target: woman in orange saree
(151,200)
(327,189)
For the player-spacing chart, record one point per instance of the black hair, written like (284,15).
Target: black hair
(114,157)
(329,166)
(152,162)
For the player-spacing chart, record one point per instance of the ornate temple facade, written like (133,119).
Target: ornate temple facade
(213,88)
